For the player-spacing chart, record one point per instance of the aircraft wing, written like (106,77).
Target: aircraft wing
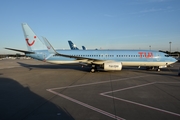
(26,52)
(52,51)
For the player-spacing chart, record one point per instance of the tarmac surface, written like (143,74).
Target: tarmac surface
(35,90)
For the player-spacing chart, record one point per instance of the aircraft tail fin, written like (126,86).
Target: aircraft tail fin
(72,45)
(83,47)
(32,41)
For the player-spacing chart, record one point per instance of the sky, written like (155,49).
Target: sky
(101,24)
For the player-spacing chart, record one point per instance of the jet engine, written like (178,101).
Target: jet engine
(112,66)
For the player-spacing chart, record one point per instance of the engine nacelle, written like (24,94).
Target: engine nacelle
(112,66)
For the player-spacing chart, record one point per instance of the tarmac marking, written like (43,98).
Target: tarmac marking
(104,94)
(87,106)
(143,105)
(95,83)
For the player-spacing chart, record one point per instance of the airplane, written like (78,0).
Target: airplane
(104,59)
(84,48)
(73,46)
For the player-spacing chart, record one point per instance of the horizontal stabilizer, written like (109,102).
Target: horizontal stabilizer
(26,52)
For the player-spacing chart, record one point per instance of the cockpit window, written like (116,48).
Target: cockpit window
(166,55)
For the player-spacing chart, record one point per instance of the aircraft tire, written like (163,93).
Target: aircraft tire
(92,70)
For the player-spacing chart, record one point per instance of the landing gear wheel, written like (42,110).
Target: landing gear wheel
(158,69)
(92,70)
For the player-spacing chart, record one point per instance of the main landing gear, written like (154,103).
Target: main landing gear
(94,68)
(153,68)
(158,69)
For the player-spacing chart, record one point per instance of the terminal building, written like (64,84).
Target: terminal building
(13,56)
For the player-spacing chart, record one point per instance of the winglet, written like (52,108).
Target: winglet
(52,51)
(49,46)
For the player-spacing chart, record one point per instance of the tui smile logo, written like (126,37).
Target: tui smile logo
(48,47)
(30,44)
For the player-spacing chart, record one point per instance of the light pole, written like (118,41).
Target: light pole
(170,47)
